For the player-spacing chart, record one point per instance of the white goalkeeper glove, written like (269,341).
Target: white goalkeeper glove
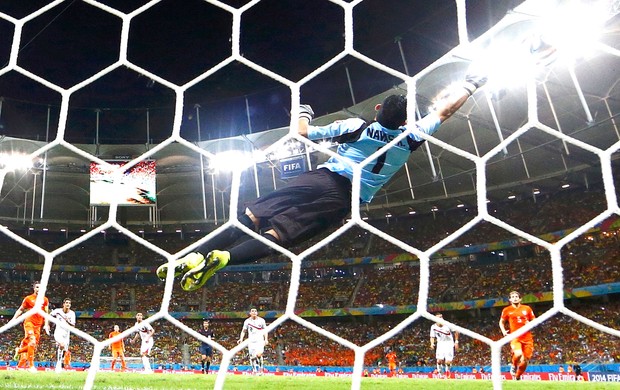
(474,81)
(305,111)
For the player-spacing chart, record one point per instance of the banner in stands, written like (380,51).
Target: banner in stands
(292,166)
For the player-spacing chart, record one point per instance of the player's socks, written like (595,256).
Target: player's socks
(202,365)
(520,370)
(67,359)
(227,237)
(146,363)
(30,355)
(251,250)
(261,365)
(208,365)
(59,363)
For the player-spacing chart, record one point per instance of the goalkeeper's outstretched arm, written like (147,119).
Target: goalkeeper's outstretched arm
(454,98)
(449,102)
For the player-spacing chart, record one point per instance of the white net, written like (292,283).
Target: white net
(419,83)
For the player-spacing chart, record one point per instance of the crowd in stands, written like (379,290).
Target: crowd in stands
(536,216)
(558,340)
(589,260)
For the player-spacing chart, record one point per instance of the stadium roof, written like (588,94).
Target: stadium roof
(579,101)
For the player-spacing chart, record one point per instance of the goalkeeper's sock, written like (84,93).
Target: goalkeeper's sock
(208,365)
(202,365)
(226,238)
(251,250)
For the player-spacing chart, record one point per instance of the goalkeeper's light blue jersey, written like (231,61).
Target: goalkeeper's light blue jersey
(358,141)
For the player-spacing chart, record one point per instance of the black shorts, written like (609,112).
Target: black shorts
(305,207)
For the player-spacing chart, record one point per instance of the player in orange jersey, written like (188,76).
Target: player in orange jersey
(32,328)
(118,349)
(391,358)
(517,315)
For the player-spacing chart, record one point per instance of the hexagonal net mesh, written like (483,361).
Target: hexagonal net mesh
(462,53)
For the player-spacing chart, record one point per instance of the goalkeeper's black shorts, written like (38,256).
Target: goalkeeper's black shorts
(305,207)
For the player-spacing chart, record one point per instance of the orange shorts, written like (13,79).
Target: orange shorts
(117,353)
(31,329)
(525,346)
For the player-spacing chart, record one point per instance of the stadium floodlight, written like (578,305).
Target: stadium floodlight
(559,37)
(231,160)
(15,161)
(574,30)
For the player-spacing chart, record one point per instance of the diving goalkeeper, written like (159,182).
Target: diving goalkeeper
(316,200)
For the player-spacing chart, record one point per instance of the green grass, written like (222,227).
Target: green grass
(123,381)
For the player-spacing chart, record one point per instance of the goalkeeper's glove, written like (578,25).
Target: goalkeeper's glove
(305,111)
(473,82)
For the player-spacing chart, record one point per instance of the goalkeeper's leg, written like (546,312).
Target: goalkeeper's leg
(195,259)
(246,252)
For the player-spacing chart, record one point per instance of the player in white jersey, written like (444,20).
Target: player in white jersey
(447,340)
(65,317)
(257,335)
(145,332)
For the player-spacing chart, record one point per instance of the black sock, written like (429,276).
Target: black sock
(202,364)
(227,237)
(251,250)
(208,366)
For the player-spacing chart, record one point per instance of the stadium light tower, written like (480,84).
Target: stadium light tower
(10,162)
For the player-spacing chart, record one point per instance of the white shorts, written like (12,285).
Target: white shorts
(145,347)
(62,338)
(256,347)
(445,351)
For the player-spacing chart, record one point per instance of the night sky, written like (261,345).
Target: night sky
(179,40)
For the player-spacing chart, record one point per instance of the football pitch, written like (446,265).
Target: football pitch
(125,381)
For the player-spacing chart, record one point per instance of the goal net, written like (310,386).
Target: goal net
(487,51)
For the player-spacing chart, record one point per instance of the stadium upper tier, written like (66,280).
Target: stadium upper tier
(568,112)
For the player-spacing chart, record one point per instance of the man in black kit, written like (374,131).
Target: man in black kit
(206,351)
